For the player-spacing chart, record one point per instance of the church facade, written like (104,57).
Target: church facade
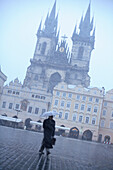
(53,62)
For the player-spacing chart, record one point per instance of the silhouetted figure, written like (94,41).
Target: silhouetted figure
(49,131)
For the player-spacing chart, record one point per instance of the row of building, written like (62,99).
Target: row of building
(86,109)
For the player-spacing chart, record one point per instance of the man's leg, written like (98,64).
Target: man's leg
(42,147)
(47,151)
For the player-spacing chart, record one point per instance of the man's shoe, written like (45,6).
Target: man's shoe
(41,152)
(48,152)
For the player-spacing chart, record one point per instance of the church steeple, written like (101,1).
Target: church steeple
(51,22)
(39,29)
(85,25)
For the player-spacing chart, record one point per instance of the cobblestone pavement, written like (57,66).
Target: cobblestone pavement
(19,151)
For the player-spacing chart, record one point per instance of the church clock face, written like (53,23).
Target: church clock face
(61,49)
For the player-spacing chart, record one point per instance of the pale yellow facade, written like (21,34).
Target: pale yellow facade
(23,102)
(81,108)
(106,121)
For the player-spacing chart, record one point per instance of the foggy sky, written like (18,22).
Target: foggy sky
(19,21)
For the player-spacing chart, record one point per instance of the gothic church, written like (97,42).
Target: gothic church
(53,63)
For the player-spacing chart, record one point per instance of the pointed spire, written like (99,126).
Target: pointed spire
(46,21)
(51,22)
(53,11)
(74,32)
(85,25)
(81,22)
(94,32)
(91,24)
(39,29)
(87,16)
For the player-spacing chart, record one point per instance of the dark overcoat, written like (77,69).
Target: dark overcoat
(49,131)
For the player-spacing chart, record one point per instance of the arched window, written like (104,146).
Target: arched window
(80,52)
(44,44)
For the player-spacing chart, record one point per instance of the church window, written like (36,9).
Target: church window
(10,105)
(43,48)
(30,109)
(80,52)
(36,110)
(4,105)
(33,95)
(39,46)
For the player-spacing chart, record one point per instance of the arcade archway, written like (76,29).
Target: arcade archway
(38,127)
(27,123)
(87,135)
(61,131)
(74,132)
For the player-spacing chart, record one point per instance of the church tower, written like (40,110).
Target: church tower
(48,64)
(52,61)
(83,44)
(47,37)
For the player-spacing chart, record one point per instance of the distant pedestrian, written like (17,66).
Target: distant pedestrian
(49,132)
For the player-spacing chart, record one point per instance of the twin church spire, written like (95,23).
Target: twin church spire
(85,28)
(50,25)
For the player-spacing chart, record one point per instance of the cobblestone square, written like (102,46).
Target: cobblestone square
(19,151)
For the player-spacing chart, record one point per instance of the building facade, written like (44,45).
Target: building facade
(25,103)
(53,62)
(83,108)
(3,78)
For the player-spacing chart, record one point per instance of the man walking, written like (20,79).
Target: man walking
(49,131)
